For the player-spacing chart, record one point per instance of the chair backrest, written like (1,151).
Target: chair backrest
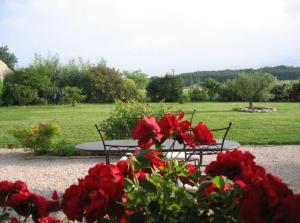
(224,131)
(119,147)
(188,115)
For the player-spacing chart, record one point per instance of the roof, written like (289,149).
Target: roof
(4,69)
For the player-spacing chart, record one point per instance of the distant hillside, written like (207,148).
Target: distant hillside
(281,72)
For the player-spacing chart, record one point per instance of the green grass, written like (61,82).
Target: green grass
(281,127)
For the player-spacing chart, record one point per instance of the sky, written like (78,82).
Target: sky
(155,36)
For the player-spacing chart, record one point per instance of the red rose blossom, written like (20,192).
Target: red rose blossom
(147,131)
(203,135)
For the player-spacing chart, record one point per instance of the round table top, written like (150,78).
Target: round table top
(129,144)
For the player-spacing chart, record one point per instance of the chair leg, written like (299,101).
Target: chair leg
(107,158)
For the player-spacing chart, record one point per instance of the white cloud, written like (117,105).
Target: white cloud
(157,35)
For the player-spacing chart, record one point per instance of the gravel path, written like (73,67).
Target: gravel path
(45,175)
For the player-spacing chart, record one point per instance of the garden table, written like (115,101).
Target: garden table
(121,147)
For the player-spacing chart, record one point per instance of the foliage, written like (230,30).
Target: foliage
(106,85)
(198,94)
(212,86)
(140,79)
(295,91)
(125,115)
(49,78)
(8,58)
(281,72)
(183,98)
(38,138)
(167,88)
(62,148)
(251,87)
(27,80)
(227,92)
(281,92)
(22,95)
(73,95)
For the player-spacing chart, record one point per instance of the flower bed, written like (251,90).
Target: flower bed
(150,188)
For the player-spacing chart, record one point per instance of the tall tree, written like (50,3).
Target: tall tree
(167,88)
(254,87)
(9,58)
(140,79)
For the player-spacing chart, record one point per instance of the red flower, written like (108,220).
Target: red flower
(124,166)
(168,125)
(96,194)
(48,220)
(203,135)
(147,131)
(230,164)
(289,210)
(171,126)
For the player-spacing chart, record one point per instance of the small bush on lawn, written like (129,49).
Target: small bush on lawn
(125,115)
(37,137)
(183,99)
(197,94)
(62,148)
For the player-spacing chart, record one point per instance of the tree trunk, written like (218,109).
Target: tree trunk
(73,103)
(251,104)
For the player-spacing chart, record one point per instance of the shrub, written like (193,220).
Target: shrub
(22,95)
(197,94)
(167,88)
(73,95)
(125,115)
(140,79)
(212,86)
(280,92)
(227,92)
(38,138)
(62,148)
(295,91)
(24,86)
(183,99)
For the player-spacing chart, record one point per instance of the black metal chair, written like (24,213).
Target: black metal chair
(125,147)
(203,150)
(196,154)
(116,147)
(188,115)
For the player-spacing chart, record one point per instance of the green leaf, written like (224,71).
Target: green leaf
(137,217)
(148,186)
(219,182)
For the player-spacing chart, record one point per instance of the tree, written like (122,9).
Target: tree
(212,86)
(198,94)
(254,86)
(105,84)
(9,58)
(167,88)
(140,79)
(73,95)
(295,91)
(28,80)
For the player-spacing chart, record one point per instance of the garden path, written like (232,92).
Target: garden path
(45,175)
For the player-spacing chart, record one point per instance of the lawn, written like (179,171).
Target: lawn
(281,127)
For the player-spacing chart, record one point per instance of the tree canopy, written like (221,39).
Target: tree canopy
(167,88)
(254,87)
(7,57)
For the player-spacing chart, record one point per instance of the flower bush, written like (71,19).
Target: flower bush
(37,137)
(150,188)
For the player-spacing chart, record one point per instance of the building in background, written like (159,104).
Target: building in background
(4,69)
